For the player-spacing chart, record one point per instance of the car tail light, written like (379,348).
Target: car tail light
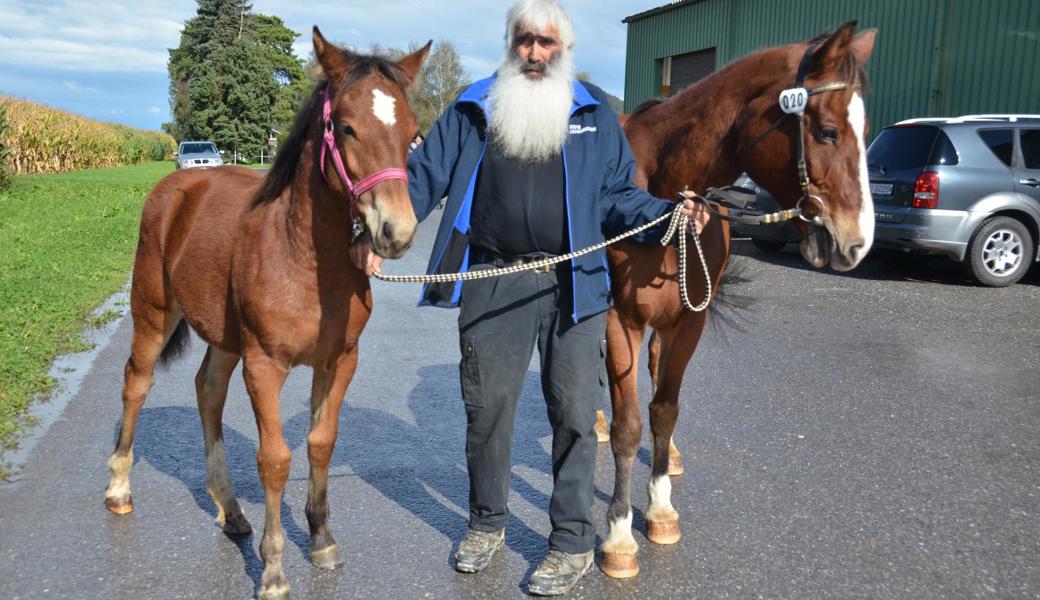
(926,190)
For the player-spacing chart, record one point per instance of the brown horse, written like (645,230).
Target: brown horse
(731,122)
(260,269)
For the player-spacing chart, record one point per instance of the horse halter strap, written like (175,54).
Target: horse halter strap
(799,91)
(329,145)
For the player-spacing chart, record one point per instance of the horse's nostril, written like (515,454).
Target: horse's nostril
(856,250)
(388,231)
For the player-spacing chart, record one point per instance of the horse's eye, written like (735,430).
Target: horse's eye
(828,134)
(348,130)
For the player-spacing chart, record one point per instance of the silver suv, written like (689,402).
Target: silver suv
(967,188)
(198,155)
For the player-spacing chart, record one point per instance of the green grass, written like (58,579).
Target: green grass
(67,243)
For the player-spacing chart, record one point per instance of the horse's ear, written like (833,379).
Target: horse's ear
(332,60)
(830,52)
(863,45)
(414,61)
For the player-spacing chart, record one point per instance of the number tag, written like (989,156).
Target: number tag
(793,100)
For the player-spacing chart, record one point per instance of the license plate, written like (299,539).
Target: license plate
(881,189)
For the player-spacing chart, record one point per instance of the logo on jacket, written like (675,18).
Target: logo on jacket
(578,129)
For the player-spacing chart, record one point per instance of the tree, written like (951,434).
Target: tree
(443,79)
(234,77)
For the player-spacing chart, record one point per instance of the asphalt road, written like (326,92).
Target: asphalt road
(871,435)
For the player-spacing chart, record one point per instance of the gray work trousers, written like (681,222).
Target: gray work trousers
(501,321)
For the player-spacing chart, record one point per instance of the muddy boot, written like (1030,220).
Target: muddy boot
(559,572)
(476,549)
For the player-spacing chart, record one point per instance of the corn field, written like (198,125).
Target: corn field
(41,139)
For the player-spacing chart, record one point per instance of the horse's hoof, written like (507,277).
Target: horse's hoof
(675,466)
(237,525)
(602,427)
(619,566)
(327,558)
(663,532)
(276,591)
(120,506)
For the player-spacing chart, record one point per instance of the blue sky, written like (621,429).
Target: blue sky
(106,59)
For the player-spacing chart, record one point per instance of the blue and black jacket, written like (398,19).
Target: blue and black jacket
(598,166)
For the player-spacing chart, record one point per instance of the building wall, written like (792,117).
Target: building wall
(933,57)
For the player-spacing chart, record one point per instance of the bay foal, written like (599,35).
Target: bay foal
(260,269)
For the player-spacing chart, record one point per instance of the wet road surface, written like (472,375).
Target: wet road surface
(866,436)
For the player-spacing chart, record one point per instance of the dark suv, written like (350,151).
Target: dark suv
(967,188)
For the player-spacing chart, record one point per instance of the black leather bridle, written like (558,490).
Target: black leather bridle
(798,97)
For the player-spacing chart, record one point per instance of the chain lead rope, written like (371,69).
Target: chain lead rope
(678,223)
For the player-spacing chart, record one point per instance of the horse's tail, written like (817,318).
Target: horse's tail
(176,345)
(730,307)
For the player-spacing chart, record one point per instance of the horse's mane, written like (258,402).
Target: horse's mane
(309,116)
(849,70)
(645,106)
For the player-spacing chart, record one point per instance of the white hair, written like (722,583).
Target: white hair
(539,14)
(530,118)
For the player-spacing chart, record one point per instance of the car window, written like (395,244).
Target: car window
(198,148)
(1029,139)
(1000,141)
(943,152)
(902,148)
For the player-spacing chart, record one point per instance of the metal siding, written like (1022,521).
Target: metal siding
(933,57)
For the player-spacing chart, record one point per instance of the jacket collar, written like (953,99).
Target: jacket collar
(478,92)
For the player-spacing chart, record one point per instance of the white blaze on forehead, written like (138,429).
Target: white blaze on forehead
(858,122)
(384,107)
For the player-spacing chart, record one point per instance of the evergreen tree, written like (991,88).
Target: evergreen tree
(234,77)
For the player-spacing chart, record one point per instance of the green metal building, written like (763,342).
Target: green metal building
(932,58)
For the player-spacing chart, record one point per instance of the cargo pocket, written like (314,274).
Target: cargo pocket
(469,373)
(603,363)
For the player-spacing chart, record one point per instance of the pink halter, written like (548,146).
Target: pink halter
(354,189)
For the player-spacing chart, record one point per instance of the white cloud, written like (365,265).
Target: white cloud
(75,87)
(91,35)
(154,110)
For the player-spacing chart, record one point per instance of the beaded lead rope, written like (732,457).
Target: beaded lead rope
(678,223)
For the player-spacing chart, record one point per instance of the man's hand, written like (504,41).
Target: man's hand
(696,212)
(362,255)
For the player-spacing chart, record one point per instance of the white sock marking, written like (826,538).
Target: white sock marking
(384,107)
(660,490)
(619,537)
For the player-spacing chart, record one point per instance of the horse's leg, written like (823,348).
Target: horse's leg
(679,343)
(153,328)
(211,385)
(330,384)
(675,466)
(264,378)
(626,431)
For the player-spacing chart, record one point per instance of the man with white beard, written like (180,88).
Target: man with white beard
(533,164)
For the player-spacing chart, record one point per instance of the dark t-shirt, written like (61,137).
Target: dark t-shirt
(519,207)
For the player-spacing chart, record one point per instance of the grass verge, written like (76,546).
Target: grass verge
(68,243)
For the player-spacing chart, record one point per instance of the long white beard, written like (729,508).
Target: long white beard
(530,117)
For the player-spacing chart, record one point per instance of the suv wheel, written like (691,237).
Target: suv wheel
(770,246)
(1000,252)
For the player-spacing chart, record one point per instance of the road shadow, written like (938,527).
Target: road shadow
(169,438)
(417,461)
(421,465)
